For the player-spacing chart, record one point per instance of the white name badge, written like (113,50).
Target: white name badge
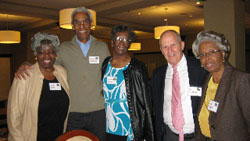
(195,91)
(213,106)
(111,80)
(55,86)
(93,59)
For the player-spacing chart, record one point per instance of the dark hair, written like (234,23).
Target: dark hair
(123,28)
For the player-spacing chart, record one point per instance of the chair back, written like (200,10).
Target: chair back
(77,135)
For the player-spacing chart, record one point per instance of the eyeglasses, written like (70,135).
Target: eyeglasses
(119,39)
(83,22)
(210,53)
(48,52)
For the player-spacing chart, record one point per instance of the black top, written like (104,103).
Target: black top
(52,111)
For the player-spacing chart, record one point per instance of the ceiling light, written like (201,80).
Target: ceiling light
(139,13)
(198,2)
(65,18)
(135,47)
(160,29)
(10,37)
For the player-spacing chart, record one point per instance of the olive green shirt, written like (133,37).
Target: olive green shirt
(84,78)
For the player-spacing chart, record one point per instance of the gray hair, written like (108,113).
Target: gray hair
(176,33)
(213,36)
(40,39)
(81,9)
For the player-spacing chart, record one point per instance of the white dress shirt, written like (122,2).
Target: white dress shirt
(185,97)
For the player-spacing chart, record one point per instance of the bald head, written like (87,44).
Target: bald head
(171,46)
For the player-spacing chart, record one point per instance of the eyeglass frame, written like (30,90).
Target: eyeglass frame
(83,22)
(210,53)
(119,39)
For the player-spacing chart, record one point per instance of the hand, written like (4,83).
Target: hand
(22,71)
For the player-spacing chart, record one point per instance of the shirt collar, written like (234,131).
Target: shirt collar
(80,43)
(181,63)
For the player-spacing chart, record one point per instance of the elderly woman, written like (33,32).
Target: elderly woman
(126,91)
(38,106)
(224,111)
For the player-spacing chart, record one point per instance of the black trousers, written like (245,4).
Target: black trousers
(112,137)
(94,122)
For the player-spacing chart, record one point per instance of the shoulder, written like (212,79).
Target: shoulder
(238,75)
(34,74)
(66,44)
(160,70)
(137,63)
(192,61)
(194,66)
(106,60)
(60,69)
(65,47)
(99,43)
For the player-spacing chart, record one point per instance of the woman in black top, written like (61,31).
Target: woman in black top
(38,106)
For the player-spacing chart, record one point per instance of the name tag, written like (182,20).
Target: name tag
(195,91)
(55,86)
(93,59)
(213,106)
(111,80)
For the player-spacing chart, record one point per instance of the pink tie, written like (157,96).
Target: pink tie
(176,107)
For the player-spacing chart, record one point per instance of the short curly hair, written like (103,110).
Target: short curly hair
(123,28)
(40,39)
(213,36)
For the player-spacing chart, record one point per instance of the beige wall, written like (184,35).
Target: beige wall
(227,17)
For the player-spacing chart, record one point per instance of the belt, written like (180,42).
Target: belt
(187,136)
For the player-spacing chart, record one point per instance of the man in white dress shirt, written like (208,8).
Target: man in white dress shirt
(191,77)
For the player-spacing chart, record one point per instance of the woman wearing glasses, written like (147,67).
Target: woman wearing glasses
(224,111)
(126,91)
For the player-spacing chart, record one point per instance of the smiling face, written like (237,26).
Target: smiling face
(120,43)
(171,48)
(46,56)
(212,61)
(81,25)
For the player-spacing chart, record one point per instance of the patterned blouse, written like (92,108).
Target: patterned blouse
(116,105)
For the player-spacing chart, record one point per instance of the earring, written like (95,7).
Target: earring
(36,58)
(201,65)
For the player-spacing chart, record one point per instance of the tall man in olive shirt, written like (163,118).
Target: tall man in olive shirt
(82,57)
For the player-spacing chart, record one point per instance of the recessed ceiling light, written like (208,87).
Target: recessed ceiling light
(139,13)
(198,2)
